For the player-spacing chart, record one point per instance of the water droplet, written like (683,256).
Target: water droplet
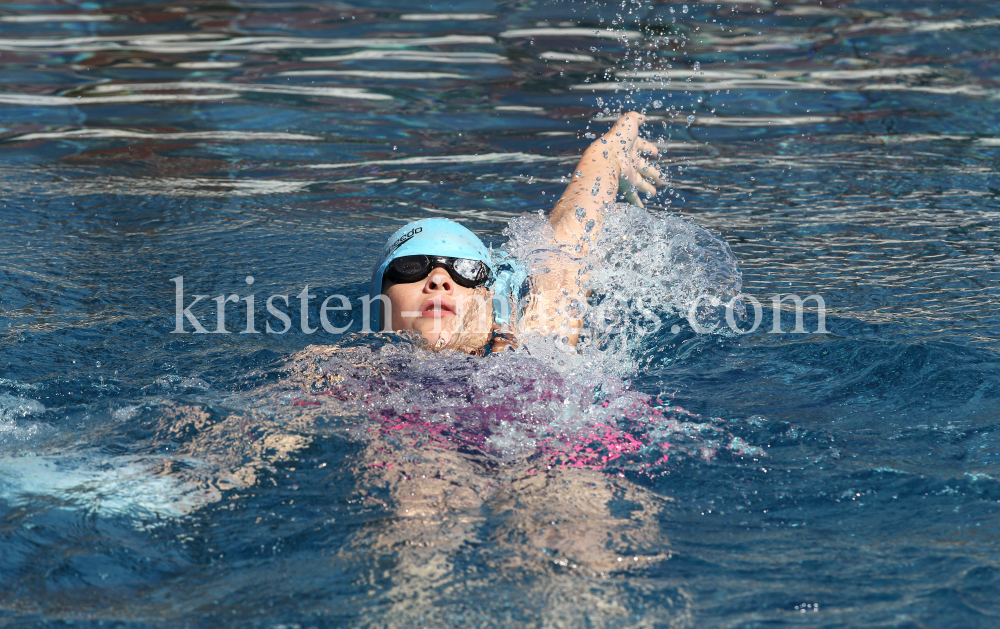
(684,9)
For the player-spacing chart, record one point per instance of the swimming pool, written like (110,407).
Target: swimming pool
(150,479)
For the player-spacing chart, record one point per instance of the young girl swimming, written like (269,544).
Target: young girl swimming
(436,278)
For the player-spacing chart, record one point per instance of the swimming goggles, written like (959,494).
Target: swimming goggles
(465,272)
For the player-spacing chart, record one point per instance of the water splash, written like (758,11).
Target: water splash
(642,270)
(15,428)
(507,406)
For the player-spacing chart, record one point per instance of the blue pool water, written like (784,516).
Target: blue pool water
(847,149)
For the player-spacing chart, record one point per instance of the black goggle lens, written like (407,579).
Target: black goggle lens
(465,272)
(411,266)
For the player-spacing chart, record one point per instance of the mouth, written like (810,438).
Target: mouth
(437,308)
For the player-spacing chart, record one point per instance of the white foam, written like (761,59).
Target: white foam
(190,187)
(59,17)
(107,486)
(413,55)
(388,75)
(453,17)
(761,121)
(874,73)
(103,133)
(208,65)
(828,75)
(782,85)
(552,55)
(217,187)
(485,158)
(263,88)
(728,84)
(14,424)
(918,26)
(182,43)
(701,75)
(571,32)
(11,406)
(67,101)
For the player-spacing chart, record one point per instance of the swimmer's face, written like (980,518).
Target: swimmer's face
(445,314)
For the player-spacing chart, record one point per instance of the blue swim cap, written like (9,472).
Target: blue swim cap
(429,236)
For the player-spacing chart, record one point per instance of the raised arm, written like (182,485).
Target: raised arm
(612,164)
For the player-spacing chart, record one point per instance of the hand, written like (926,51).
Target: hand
(613,163)
(636,175)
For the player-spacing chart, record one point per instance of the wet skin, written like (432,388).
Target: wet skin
(439,309)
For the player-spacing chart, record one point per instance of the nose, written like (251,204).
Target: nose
(439,280)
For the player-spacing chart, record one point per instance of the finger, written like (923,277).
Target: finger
(651,171)
(645,188)
(628,125)
(634,117)
(632,197)
(646,146)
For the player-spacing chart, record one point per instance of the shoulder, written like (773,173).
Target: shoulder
(502,342)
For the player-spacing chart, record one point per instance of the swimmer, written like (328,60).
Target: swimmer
(436,278)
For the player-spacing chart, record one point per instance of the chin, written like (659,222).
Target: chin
(460,341)
(435,337)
